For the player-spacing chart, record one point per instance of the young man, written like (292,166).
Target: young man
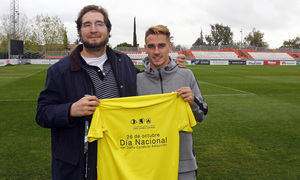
(72,91)
(162,75)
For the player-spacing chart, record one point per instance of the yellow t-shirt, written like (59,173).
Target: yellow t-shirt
(138,137)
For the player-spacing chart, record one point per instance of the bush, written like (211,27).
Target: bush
(33,55)
(3,55)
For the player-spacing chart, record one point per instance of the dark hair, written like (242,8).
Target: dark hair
(87,9)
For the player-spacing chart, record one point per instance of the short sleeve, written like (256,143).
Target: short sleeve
(185,116)
(96,128)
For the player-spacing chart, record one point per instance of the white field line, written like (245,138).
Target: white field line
(237,90)
(34,73)
(213,95)
(15,100)
(9,77)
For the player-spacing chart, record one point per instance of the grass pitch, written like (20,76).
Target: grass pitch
(252,130)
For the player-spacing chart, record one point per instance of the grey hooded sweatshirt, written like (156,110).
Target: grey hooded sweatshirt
(168,79)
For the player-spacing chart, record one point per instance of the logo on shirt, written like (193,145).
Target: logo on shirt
(133,121)
(142,123)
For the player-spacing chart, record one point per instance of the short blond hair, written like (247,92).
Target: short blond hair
(158,29)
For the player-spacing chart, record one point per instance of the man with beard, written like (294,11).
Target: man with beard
(72,91)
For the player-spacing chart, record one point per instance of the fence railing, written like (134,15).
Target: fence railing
(135,49)
(53,54)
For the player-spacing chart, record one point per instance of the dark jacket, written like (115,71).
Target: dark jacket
(66,83)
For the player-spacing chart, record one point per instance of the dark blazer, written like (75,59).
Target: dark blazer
(65,84)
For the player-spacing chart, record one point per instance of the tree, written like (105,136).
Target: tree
(255,38)
(45,31)
(209,40)
(33,43)
(65,40)
(292,43)
(4,32)
(220,35)
(51,31)
(172,41)
(134,34)
(77,41)
(25,33)
(24,28)
(199,41)
(124,44)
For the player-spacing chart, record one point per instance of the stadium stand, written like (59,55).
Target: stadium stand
(189,54)
(141,55)
(217,55)
(238,52)
(136,55)
(271,56)
(246,54)
(297,55)
(174,54)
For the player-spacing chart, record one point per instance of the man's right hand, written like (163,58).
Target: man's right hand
(84,106)
(181,60)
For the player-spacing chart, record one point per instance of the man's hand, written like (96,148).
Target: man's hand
(181,60)
(187,94)
(84,106)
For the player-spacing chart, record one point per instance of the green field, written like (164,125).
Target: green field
(252,130)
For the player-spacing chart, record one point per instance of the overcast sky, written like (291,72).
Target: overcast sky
(277,19)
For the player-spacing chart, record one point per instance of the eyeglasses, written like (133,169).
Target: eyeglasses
(89,25)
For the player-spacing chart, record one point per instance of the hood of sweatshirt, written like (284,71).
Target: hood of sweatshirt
(164,73)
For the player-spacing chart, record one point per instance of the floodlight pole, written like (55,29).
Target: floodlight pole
(8,49)
(14,21)
(14,18)
(241,37)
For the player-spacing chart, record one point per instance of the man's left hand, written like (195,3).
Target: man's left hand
(187,94)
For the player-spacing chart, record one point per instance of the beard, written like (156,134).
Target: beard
(94,46)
